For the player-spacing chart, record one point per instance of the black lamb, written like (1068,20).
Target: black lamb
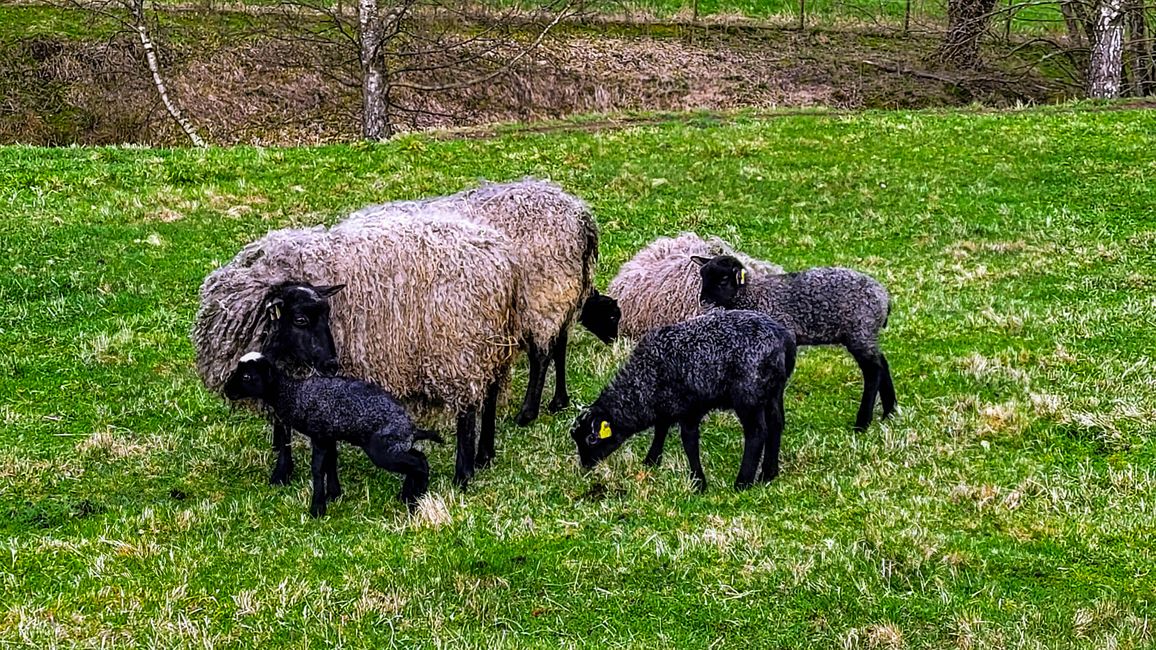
(738,360)
(329,409)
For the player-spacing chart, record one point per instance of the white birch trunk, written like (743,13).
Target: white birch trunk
(374,105)
(1106,64)
(171,106)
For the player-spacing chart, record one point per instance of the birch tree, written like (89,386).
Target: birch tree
(132,16)
(1106,63)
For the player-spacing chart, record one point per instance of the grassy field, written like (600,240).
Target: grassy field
(1010,504)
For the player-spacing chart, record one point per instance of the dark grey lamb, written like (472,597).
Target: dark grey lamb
(332,409)
(822,306)
(739,360)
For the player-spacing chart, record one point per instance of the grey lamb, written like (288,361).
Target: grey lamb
(738,360)
(332,409)
(554,246)
(822,306)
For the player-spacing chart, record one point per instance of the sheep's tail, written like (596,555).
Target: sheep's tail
(427,434)
(589,254)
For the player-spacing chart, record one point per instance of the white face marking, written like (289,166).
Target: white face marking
(252,356)
(308,292)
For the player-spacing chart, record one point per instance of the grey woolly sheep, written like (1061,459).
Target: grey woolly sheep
(822,306)
(555,245)
(660,284)
(332,409)
(738,360)
(427,312)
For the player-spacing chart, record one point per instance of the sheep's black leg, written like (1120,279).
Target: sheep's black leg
(775,418)
(654,455)
(464,463)
(282,446)
(886,388)
(688,428)
(412,465)
(489,427)
(754,439)
(561,395)
(539,359)
(317,507)
(871,371)
(332,484)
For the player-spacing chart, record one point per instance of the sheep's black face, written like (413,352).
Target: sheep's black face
(722,277)
(595,438)
(250,379)
(600,315)
(299,332)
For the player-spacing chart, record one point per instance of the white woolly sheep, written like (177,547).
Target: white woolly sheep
(658,286)
(427,312)
(555,242)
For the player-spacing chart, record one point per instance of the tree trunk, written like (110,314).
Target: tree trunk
(1107,61)
(174,109)
(1143,75)
(375,124)
(966,22)
(1076,19)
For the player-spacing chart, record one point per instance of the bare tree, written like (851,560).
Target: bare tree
(1143,73)
(1106,64)
(131,15)
(404,54)
(967,20)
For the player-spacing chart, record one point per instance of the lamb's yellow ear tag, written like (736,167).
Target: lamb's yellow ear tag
(604,430)
(742,277)
(276,312)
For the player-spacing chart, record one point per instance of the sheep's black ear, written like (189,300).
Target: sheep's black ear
(273,309)
(699,259)
(332,289)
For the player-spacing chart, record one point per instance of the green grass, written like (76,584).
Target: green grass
(1010,504)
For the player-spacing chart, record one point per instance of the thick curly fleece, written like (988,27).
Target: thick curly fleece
(660,285)
(395,273)
(555,244)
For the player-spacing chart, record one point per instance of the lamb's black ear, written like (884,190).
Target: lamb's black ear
(326,292)
(273,309)
(699,259)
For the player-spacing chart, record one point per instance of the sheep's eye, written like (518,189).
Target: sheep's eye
(248,377)
(300,321)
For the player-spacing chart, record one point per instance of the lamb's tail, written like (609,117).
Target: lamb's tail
(427,434)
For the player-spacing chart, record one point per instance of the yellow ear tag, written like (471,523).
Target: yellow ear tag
(276,312)
(742,277)
(604,431)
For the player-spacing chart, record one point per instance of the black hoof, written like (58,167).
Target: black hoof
(652,462)
(743,485)
(317,510)
(280,478)
(482,461)
(556,404)
(699,486)
(333,495)
(525,417)
(767,478)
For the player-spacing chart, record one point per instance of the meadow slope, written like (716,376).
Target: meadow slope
(1012,503)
